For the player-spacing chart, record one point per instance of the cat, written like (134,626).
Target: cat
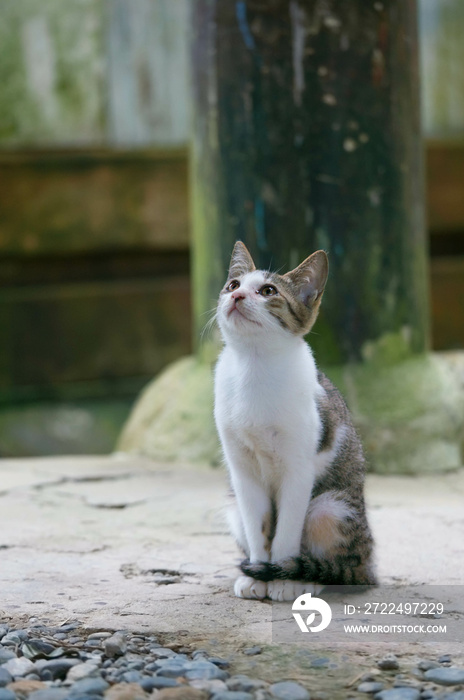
(295,461)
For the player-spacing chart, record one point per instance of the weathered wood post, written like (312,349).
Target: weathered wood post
(306,136)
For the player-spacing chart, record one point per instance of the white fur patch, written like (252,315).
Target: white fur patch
(290,590)
(324,459)
(247,587)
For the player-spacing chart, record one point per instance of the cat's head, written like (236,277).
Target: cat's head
(255,301)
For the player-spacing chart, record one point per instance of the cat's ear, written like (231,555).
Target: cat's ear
(310,277)
(241,261)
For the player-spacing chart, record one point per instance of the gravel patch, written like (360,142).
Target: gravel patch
(39,662)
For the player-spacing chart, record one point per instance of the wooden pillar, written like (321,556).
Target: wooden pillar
(306,136)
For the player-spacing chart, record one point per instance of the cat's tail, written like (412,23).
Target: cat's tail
(345,570)
(292,568)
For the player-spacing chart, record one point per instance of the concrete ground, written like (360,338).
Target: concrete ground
(124,543)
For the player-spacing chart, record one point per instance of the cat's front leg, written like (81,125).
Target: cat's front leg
(292,506)
(254,509)
(253,505)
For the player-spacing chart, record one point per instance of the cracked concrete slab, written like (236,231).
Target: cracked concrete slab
(122,542)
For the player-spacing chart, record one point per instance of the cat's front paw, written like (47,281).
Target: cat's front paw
(246,587)
(290,590)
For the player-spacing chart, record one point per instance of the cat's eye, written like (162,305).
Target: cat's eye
(233,285)
(268,290)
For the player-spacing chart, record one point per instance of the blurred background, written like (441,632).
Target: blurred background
(94,207)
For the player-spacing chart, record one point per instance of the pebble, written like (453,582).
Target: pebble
(57,668)
(445,659)
(458,695)
(388,663)
(252,651)
(245,683)
(6,654)
(19,666)
(89,686)
(289,690)
(426,664)
(115,645)
(49,694)
(80,671)
(6,694)
(5,677)
(448,675)
(370,687)
(398,694)
(204,670)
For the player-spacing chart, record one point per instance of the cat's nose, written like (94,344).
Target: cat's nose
(236,296)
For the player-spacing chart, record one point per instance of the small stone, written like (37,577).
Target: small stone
(6,694)
(218,661)
(203,670)
(246,684)
(445,659)
(162,652)
(5,677)
(126,691)
(445,676)
(427,664)
(3,631)
(89,686)
(388,663)
(181,693)
(80,671)
(253,651)
(370,687)
(49,694)
(131,677)
(398,694)
(232,695)
(19,667)
(458,695)
(6,655)
(99,635)
(115,645)
(15,637)
(55,669)
(289,690)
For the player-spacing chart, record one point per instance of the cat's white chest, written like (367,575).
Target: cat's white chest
(267,402)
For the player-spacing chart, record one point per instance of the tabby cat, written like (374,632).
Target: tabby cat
(295,461)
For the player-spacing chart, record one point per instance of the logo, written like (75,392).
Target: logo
(306,603)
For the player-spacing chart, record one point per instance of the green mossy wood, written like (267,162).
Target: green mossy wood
(306,136)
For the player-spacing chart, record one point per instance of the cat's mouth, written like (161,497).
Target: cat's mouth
(236,309)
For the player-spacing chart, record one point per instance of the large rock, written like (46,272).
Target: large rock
(409,411)
(173,418)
